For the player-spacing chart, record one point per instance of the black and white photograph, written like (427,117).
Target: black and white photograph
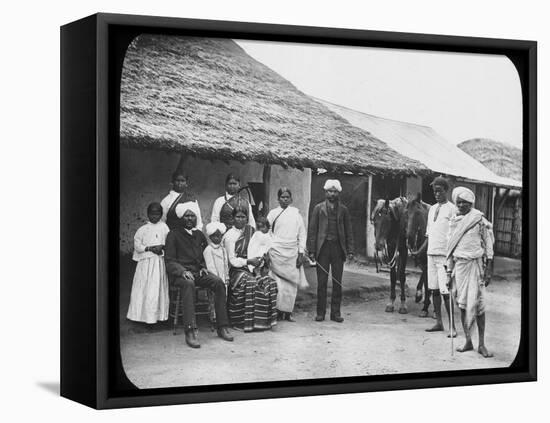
(294,211)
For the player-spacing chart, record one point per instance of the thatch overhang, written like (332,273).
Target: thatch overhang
(207,97)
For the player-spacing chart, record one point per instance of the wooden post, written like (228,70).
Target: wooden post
(502,201)
(493,203)
(267,186)
(369,202)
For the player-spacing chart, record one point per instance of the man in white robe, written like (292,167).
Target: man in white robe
(470,260)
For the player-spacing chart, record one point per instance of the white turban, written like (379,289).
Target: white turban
(333,184)
(215,226)
(183,207)
(464,193)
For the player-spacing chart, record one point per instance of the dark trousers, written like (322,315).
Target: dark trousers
(211,282)
(331,258)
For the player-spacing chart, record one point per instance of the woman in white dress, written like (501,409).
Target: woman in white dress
(287,252)
(149,300)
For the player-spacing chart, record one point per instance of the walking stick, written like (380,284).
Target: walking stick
(451,319)
(451,312)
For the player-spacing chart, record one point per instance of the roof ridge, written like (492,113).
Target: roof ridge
(371,115)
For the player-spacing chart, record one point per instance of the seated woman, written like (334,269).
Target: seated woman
(252,299)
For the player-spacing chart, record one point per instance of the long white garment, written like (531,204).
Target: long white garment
(289,239)
(167,202)
(149,300)
(259,245)
(470,239)
(217,208)
(216,261)
(289,226)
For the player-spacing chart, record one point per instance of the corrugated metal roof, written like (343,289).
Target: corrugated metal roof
(423,144)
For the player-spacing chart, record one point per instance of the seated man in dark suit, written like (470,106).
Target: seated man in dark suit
(186,268)
(329,240)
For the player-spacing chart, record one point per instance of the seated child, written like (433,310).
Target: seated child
(214,254)
(149,300)
(259,245)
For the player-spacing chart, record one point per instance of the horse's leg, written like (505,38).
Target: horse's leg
(393,279)
(426,289)
(419,288)
(402,278)
(424,281)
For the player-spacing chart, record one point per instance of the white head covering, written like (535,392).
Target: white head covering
(464,193)
(333,184)
(183,207)
(215,226)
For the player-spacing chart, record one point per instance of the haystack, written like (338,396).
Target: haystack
(503,159)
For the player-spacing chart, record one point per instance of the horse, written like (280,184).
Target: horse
(390,220)
(417,219)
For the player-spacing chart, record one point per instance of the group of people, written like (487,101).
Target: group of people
(459,244)
(254,267)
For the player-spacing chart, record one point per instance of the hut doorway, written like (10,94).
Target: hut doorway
(387,187)
(258,202)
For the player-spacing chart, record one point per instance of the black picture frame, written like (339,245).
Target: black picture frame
(91,59)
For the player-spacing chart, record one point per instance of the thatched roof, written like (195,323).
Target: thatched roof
(207,97)
(503,159)
(425,145)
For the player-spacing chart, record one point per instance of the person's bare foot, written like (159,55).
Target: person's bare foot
(454,334)
(437,328)
(468,346)
(484,352)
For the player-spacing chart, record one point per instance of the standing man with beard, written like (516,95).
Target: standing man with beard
(470,260)
(329,240)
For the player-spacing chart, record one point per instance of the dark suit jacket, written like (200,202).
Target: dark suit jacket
(318,226)
(183,252)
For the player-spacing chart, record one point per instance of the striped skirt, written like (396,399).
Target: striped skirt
(252,301)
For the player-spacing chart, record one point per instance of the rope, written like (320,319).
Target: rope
(316,263)
(333,278)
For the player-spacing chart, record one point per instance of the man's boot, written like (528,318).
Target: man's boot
(191,339)
(223,333)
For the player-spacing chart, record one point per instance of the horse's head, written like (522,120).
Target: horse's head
(417,213)
(383,219)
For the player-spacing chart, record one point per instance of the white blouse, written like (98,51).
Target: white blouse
(289,226)
(146,236)
(229,240)
(217,208)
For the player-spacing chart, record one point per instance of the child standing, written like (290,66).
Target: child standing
(149,300)
(259,245)
(214,254)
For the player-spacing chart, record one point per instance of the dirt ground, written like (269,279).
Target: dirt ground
(369,342)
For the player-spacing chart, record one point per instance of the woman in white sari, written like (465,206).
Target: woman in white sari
(287,252)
